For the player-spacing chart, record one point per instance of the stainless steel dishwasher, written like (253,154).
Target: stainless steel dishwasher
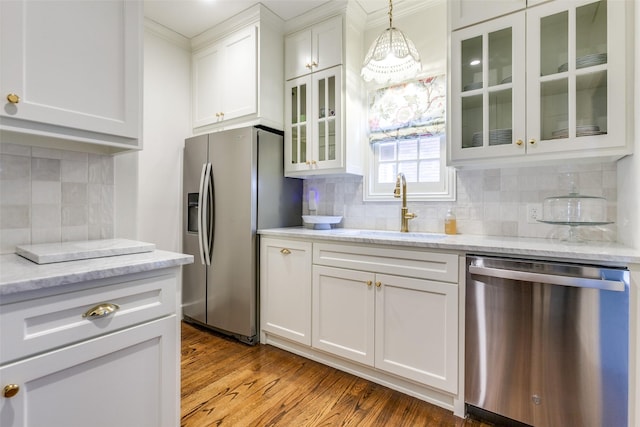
(547,343)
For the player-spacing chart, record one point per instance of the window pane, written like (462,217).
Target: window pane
(430,148)
(407,150)
(387,173)
(387,151)
(410,170)
(429,170)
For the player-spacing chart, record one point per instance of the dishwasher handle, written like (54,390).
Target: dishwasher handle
(578,282)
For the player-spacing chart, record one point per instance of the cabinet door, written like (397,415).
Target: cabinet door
(297,111)
(297,48)
(127,378)
(225,79)
(239,84)
(73,64)
(343,313)
(326,119)
(313,49)
(417,330)
(206,76)
(576,77)
(488,89)
(327,44)
(285,288)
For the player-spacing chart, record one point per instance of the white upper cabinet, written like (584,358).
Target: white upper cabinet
(314,49)
(323,115)
(72,71)
(237,73)
(463,13)
(569,101)
(224,79)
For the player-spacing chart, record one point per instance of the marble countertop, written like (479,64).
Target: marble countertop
(18,274)
(46,253)
(609,253)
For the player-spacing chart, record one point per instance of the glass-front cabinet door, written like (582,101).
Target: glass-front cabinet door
(488,89)
(297,128)
(570,101)
(313,124)
(326,121)
(576,74)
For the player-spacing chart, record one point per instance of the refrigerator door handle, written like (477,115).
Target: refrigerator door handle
(200,209)
(206,227)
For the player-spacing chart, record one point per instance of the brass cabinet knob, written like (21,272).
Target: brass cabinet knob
(369,283)
(532,141)
(314,64)
(10,390)
(13,98)
(519,142)
(313,162)
(308,65)
(378,284)
(101,310)
(285,251)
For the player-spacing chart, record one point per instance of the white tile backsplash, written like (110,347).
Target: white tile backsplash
(49,195)
(489,202)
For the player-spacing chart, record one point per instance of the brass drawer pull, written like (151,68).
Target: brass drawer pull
(101,310)
(13,98)
(10,390)
(285,251)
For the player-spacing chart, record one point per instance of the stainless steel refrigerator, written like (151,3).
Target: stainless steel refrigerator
(233,185)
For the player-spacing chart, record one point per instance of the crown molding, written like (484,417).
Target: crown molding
(152,27)
(381,18)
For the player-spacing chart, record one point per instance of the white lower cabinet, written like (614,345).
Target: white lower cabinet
(391,310)
(285,289)
(102,353)
(401,325)
(343,313)
(117,379)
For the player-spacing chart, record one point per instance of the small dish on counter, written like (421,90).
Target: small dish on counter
(321,222)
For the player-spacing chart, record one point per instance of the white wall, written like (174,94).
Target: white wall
(149,183)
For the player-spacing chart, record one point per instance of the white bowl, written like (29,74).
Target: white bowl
(321,222)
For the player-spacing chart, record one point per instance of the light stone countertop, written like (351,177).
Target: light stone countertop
(18,274)
(608,253)
(46,253)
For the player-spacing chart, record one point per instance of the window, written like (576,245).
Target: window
(407,134)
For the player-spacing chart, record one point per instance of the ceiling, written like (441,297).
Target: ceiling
(192,17)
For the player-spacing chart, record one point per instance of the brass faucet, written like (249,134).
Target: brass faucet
(401,190)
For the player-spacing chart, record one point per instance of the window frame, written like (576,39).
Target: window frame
(444,190)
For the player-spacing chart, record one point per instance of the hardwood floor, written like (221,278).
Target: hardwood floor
(227,383)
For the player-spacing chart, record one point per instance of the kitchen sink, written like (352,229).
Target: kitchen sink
(385,234)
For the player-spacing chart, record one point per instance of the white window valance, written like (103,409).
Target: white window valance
(408,110)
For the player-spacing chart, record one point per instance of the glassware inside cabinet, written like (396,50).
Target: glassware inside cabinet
(591,34)
(471,64)
(471,121)
(554,44)
(591,104)
(500,117)
(298,123)
(500,57)
(326,118)
(554,109)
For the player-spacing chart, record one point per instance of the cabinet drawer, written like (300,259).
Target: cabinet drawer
(37,325)
(422,264)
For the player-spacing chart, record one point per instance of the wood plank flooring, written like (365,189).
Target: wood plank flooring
(227,383)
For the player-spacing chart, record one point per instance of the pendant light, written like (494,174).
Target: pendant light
(392,57)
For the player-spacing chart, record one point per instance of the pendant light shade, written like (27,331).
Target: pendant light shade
(392,57)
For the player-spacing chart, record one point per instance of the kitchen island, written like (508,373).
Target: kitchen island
(390,306)
(85,338)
